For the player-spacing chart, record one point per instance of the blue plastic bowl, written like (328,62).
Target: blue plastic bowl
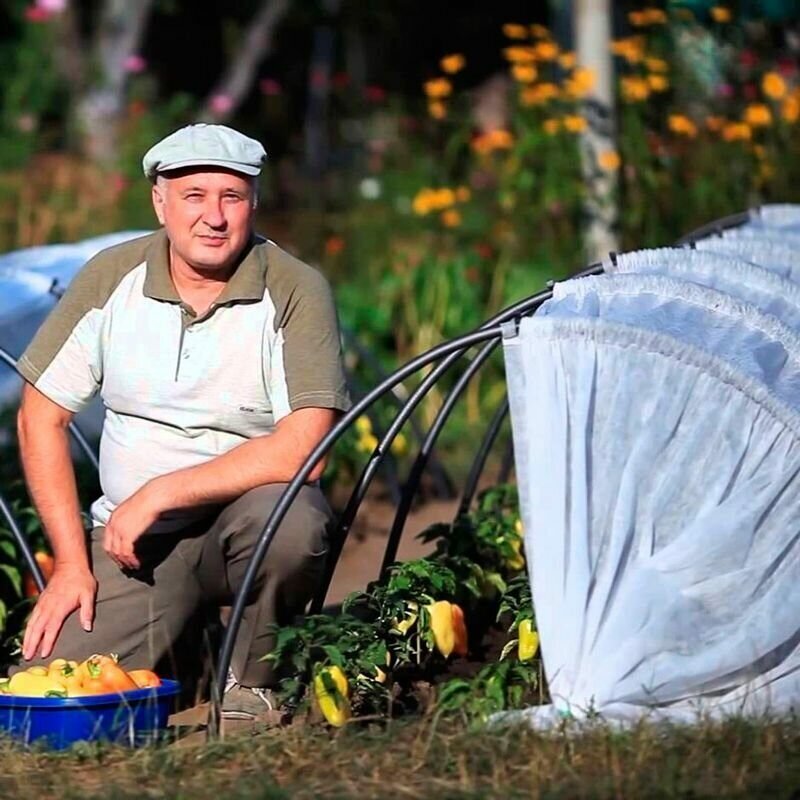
(134,718)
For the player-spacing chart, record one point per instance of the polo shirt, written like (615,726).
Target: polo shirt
(181,389)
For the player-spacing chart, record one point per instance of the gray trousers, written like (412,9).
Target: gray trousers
(140,616)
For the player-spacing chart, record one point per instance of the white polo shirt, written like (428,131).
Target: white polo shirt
(180,389)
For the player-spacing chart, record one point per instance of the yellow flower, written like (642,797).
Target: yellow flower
(519,54)
(453,63)
(631,49)
(463,194)
(568,60)
(682,125)
(538,94)
(451,218)
(367,443)
(399,444)
(773,86)
(757,115)
(714,123)
(790,110)
(580,83)
(609,160)
(656,64)
(540,31)
(551,126)
(427,200)
(658,83)
(721,14)
(514,31)
(634,89)
(444,197)
(524,73)
(574,123)
(437,109)
(437,88)
(759,151)
(736,131)
(546,51)
(363,424)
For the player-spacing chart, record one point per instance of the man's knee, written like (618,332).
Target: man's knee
(302,532)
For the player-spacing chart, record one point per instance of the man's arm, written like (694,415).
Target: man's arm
(275,458)
(44,447)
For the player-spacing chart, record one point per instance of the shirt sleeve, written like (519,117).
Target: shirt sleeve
(306,368)
(64,359)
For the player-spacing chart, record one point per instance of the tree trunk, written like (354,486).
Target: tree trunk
(592,28)
(232,89)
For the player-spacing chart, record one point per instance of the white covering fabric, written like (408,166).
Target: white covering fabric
(659,488)
(777,215)
(771,254)
(767,290)
(756,344)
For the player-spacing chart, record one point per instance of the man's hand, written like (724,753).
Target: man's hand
(70,587)
(128,522)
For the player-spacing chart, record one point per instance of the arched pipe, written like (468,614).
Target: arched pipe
(479,462)
(290,493)
(716,228)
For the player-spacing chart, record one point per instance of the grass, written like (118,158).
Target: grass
(427,759)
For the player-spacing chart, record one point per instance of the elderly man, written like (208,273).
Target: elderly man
(217,356)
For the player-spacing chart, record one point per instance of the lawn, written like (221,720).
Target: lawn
(426,757)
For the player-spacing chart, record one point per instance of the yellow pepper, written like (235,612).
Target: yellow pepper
(528,640)
(448,628)
(26,684)
(36,670)
(335,706)
(66,673)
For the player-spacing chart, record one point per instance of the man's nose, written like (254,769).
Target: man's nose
(214,216)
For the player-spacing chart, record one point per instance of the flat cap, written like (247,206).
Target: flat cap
(205,145)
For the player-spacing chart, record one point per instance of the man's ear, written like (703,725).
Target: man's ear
(157,196)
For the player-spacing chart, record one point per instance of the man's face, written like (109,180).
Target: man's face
(207,213)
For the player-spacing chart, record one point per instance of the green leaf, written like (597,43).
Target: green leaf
(13,574)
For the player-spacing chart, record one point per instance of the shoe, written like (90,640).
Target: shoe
(248,703)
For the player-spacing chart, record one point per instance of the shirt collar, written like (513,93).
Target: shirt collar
(246,283)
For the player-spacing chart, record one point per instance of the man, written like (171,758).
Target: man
(218,359)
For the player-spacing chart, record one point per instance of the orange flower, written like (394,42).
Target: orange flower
(656,64)
(609,160)
(538,94)
(568,60)
(757,115)
(334,245)
(790,110)
(658,83)
(540,31)
(682,125)
(736,131)
(514,31)
(453,63)
(437,109)
(551,126)
(437,88)
(497,139)
(721,14)
(637,18)
(654,16)
(574,123)
(546,51)
(463,194)
(451,218)
(519,54)
(773,86)
(631,49)
(634,89)
(714,123)
(524,73)
(580,83)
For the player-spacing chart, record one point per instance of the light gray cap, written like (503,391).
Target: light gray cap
(205,145)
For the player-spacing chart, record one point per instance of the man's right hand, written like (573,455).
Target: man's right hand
(69,588)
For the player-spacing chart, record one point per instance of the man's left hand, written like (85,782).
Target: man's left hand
(127,523)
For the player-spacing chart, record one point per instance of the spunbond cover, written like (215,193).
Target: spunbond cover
(659,491)
(768,291)
(774,256)
(756,344)
(776,215)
